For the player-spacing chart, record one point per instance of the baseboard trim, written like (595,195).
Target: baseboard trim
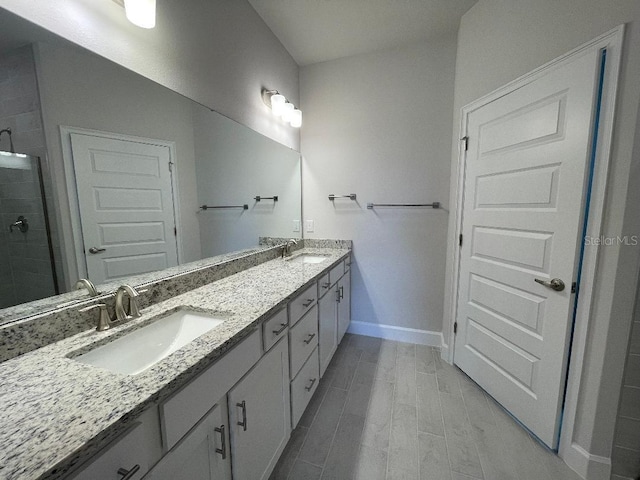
(399,334)
(587,465)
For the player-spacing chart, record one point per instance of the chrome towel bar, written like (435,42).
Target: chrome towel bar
(371,206)
(210,207)
(351,196)
(258,198)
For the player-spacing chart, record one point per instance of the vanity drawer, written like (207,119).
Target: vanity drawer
(274,329)
(303,339)
(185,408)
(336,273)
(138,448)
(303,387)
(302,304)
(323,285)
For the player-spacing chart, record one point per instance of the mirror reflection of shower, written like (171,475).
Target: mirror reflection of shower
(27,267)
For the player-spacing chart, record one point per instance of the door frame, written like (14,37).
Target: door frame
(574,455)
(77,263)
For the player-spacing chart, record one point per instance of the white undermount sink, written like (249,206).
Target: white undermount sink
(142,348)
(308,258)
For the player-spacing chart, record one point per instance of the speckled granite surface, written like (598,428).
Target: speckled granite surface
(57,412)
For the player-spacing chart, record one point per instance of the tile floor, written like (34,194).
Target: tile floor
(387,410)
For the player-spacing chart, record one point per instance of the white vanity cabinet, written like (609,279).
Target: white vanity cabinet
(344,304)
(259,415)
(334,310)
(129,456)
(203,453)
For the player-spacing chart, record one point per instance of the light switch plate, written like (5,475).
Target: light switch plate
(296,225)
(309,226)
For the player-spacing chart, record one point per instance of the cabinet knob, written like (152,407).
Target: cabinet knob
(310,386)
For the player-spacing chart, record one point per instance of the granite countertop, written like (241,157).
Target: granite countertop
(56,412)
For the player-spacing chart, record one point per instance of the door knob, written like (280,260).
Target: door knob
(95,250)
(555,284)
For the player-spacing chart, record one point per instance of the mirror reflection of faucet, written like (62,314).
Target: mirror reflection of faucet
(21,224)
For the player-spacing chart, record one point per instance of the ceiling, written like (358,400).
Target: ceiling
(319,30)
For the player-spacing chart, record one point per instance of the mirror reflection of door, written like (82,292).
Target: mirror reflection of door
(126,204)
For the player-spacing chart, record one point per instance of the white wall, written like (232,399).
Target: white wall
(379,125)
(219,53)
(500,40)
(234,164)
(79,89)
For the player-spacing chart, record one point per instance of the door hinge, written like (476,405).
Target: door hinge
(455,328)
(171,166)
(460,240)
(465,139)
(175,231)
(574,287)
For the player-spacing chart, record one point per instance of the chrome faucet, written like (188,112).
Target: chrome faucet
(88,284)
(104,322)
(134,310)
(286,248)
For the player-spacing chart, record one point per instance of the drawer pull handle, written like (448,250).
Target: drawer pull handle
(308,340)
(243,423)
(310,386)
(128,474)
(283,327)
(308,302)
(223,442)
(326,285)
(341,289)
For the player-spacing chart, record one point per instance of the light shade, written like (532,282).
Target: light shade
(277,104)
(141,12)
(296,118)
(287,110)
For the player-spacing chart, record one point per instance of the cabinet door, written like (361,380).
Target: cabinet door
(327,326)
(344,305)
(203,453)
(260,415)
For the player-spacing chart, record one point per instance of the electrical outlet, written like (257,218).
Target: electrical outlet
(296,225)
(309,226)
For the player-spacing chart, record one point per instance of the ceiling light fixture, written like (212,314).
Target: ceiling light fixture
(141,13)
(280,107)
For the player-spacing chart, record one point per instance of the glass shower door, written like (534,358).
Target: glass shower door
(27,268)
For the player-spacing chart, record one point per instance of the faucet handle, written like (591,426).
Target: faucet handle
(104,322)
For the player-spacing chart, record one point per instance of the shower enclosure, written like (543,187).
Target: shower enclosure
(27,268)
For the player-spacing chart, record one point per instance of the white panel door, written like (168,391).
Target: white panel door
(126,206)
(524,193)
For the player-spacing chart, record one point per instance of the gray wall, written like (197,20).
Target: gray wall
(233,165)
(626,449)
(379,125)
(219,53)
(500,40)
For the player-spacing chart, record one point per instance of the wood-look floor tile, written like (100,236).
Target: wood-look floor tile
(371,464)
(403,439)
(433,457)
(429,411)
(425,361)
(462,449)
(318,442)
(405,380)
(305,471)
(343,455)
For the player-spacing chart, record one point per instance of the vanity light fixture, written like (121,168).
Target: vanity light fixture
(141,13)
(280,107)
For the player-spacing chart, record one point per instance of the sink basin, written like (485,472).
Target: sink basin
(308,258)
(146,346)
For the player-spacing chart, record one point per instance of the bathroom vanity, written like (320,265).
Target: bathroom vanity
(225,402)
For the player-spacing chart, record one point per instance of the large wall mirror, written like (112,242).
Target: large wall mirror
(104,173)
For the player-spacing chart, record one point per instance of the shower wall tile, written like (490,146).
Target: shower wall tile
(25,266)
